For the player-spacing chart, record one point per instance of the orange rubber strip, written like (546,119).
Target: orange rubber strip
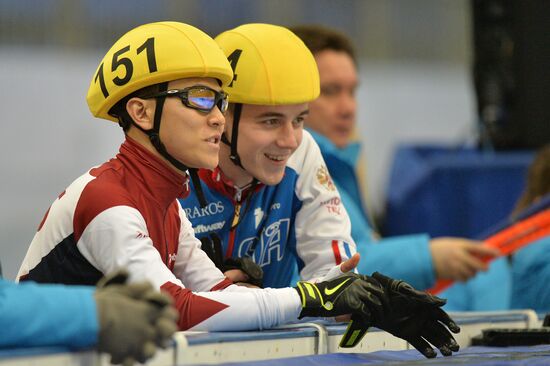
(515,237)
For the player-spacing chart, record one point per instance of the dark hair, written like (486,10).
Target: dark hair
(319,38)
(538,180)
(119,109)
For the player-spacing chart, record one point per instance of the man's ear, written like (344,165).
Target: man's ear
(142,111)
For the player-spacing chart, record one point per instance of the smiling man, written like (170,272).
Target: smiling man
(271,200)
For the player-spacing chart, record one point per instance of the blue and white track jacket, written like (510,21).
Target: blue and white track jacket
(299,221)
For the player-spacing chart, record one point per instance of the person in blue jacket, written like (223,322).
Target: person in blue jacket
(126,321)
(530,265)
(418,259)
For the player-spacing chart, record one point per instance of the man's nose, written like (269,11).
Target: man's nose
(347,104)
(288,136)
(216,118)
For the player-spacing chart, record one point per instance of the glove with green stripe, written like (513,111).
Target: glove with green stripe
(347,294)
(380,301)
(415,316)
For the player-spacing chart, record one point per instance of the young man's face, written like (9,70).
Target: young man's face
(268,136)
(333,113)
(191,136)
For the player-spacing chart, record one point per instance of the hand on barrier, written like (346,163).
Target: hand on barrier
(415,316)
(346,294)
(251,272)
(133,319)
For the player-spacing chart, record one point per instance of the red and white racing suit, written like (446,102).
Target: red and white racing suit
(125,214)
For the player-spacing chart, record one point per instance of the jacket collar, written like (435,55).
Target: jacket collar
(156,176)
(217,180)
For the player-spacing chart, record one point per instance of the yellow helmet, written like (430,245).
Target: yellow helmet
(151,54)
(271,64)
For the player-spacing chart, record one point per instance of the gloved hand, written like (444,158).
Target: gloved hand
(346,294)
(133,319)
(413,315)
(252,270)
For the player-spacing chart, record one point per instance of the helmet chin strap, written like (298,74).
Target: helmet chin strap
(154,133)
(154,137)
(234,155)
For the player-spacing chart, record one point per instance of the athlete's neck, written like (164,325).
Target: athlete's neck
(141,138)
(238,176)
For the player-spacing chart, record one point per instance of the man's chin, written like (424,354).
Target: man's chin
(272,179)
(340,139)
(210,164)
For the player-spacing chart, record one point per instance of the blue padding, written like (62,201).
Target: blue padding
(458,192)
(486,356)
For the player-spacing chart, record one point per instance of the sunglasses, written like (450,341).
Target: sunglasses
(199,97)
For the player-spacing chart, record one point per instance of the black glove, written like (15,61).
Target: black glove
(133,319)
(253,271)
(413,315)
(346,294)
(212,246)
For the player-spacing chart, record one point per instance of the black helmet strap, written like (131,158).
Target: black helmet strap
(154,137)
(234,155)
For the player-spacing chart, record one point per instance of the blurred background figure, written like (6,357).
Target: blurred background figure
(531,265)
(538,181)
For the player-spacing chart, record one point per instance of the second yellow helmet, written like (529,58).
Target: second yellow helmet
(271,66)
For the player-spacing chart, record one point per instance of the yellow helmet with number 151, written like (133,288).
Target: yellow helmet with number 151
(151,54)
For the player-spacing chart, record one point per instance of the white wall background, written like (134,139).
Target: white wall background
(411,102)
(50,137)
